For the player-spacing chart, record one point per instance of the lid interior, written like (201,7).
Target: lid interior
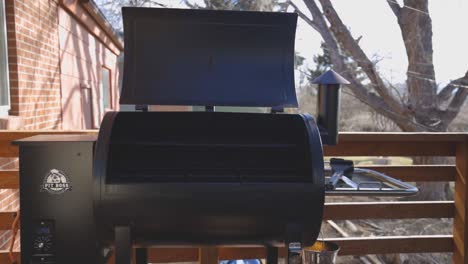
(206,57)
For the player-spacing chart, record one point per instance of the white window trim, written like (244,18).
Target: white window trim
(4,80)
(101,95)
(101,90)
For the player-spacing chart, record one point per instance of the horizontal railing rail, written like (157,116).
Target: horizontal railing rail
(350,144)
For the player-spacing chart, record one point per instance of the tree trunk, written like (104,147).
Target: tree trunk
(431,191)
(416,31)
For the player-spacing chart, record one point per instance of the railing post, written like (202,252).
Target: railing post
(460,232)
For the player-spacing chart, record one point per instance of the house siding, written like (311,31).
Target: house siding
(82,58)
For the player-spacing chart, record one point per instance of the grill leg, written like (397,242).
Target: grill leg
(294,253)
(141,255)
(272,255)
(123,245)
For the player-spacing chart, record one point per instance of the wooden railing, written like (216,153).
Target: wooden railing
(350,144)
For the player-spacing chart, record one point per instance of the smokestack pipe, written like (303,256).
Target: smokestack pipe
(328,105)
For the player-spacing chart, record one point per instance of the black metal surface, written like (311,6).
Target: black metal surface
(57,228)
(206,57)
(272,255)
(141,255)
(209,178)
(330,77)
(123,245)
(328,105)
(327,112)
(340,167)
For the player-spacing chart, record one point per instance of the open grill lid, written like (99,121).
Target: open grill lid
(208,58)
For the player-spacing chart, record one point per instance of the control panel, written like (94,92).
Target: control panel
(44,242)
(57,220)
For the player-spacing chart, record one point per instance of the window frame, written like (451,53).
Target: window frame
(101,90)
(85,88)
(4,73)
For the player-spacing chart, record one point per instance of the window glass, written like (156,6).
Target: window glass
(4,84)
(106,89)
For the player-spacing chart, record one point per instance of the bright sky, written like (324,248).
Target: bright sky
(374,20)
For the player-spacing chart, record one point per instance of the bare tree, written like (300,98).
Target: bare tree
(426,107)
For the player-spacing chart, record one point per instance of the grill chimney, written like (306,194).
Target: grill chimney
(328,105)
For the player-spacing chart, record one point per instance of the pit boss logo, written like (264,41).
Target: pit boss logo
(56,182)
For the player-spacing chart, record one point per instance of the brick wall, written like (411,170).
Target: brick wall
(34,65)
(33,56)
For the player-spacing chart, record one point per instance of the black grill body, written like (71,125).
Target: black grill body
(184,178)
(209,178)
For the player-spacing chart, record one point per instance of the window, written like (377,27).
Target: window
(87,106)
(106,98)
(4,83)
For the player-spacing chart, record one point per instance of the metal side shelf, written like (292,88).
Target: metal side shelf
(367,182)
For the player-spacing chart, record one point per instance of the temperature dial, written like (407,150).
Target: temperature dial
(42,244)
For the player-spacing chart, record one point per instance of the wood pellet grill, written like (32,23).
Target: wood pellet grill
(192,178)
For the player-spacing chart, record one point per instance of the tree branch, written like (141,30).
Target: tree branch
(344,37)
(458,99)
(404,121)
(396,8)
(455,105)
(446,92)
(190,5)
(402,118)
(303,16)
(327,37)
